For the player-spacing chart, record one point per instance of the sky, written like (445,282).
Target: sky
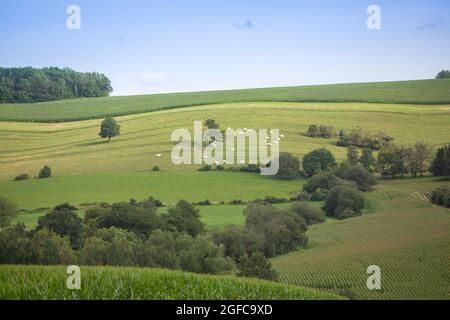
(147,46)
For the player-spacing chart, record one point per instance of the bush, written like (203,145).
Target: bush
(278,231)
(318,160)
(318,181)
(321,131)
(156,168)
(22,176)
(45,172)
(256,266)
(205,167)
(272,199)
(203,203)
(184,217)
(344,202)
(64,221)
(443,74)
(220,167)
(309,214)
(289,167)
(441,196)
(319,195)
(357,173)
(253,168)
(236,202)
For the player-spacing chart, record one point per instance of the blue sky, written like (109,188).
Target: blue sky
(167,46)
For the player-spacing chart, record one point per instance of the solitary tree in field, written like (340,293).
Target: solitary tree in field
(109,128)
(443,74)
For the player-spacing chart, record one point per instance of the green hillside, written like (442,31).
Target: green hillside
(412,92)
(49,282)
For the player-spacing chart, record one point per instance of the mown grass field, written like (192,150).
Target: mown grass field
(116,283)
(413,92)
(408,238)
(75,149)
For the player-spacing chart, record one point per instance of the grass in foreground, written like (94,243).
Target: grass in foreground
(49,282)
(418,92)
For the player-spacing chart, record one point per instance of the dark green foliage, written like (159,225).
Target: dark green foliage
(184,217)
(319,181)
(289,167)
(367,159)
(319,195)
(364,139)
(318,160)
(321,131)
(344,201)
(220,167)
(137,217)
(357,173)
(45,172)
(205,167)
(392,161)
(253,168)
(440,165)
(352,155)
(64,221)
(443,74)
(280,231)
(211,124)
(156,168)
(8,211)
(24,85)
(18,246)
(309,214)
(23,176)
(256,266)
(109,128)
(441,196)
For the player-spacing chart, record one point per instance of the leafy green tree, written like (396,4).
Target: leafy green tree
(184,217)
(45,172)
(109,128)
(211,124)
(256,266)
(64,221)
(363,178)
(443,74)
(309,214)
(8,210)
(53,249)
(440,165)
(289,167)
(318,160)
(138,217)
(313,130)
(320,180)
(352,155)
(367,159)
(344,202)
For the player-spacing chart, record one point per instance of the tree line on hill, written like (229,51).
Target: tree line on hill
(27,85)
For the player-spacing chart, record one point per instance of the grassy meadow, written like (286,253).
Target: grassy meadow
(412,92)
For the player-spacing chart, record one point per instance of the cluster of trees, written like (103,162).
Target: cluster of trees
(134,234)
(25,85)
(126,233)
(443,74)
(268,232)
(322,131)
(364,139)
(397,161)
(441,196)
(341,187)
(440,165)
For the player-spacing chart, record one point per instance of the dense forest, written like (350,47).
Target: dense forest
(24,85)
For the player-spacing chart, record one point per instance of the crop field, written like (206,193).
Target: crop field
(116,283)
(412,92)
(408,238)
